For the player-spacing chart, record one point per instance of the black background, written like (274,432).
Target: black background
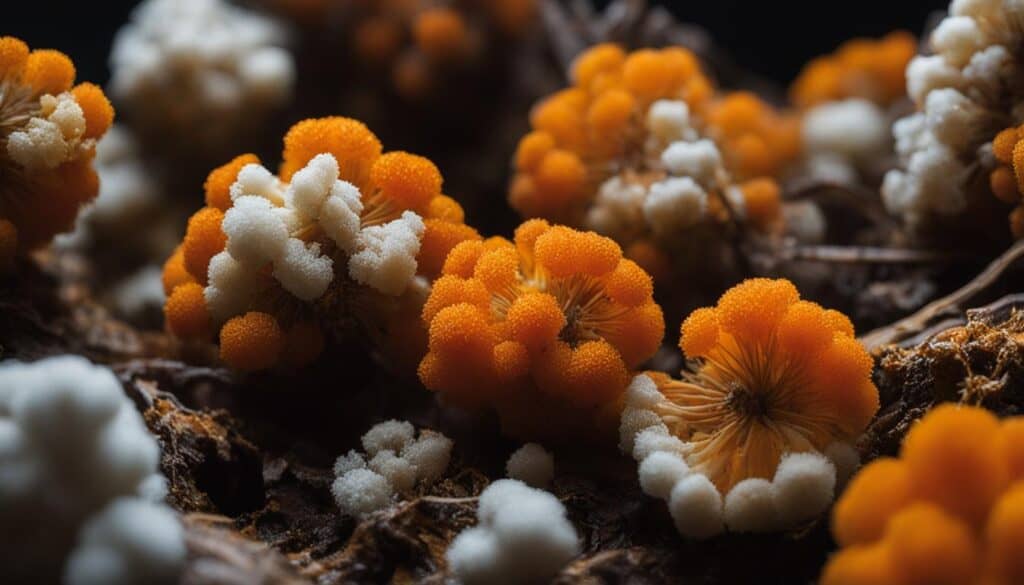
(773,38)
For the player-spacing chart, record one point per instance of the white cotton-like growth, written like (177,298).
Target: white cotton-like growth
(391,435)
(642,392)
(956,38)
(230,287)
(633,421)
(361,491)
(674,204)
(696,507)
(989,69)
(952,117)
(71,443)
(804,486)
(430,454)
(339,215)
(532,465)
(395,462)
(386,254)
(657,440)
(698,160)
(349,461)
(854,128)
(846,460)
(617,210)
(750,506)
(668,119)
(805,221)
(925,73)
(659,473)
(131,541)
(140,292)
(200,71)
(399,473)
(523,536)
(51,138)
(255,179)
(311,185)
(303,271)
(255,233)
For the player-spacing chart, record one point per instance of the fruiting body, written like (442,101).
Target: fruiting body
(48,130)
(278,263)
(558,318)
(640,149)
(779,386)
(950,509)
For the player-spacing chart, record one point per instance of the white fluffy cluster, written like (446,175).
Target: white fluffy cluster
(803,486)
(842,135)
(532,465)
(962,91)
(266,219)
(77,463)
(200,69)
(52,137)
(393,463)
(693,165)
(522,536)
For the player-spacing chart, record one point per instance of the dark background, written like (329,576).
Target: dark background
(771,37)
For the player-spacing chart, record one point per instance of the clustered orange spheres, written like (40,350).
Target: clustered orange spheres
(280,328)
(553,322)
(775,374)
(37,204)
(1007,178)
(871,69)
(948,510)
(420,41)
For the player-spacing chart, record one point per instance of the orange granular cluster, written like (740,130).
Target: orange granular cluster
(756,140)
(37,204)
(280,328)
(862,68)
(1007,179)
(775,374)
(419,41)
(950,509)
(553,322)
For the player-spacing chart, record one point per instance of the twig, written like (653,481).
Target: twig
(864,255)
(955,301)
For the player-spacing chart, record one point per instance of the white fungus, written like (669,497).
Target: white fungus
(532,465)
(51,138)
(199,73)
(74,453)
(395,462)
(855,129)
(802,488)
(674,204)
(522,536)
(386,254)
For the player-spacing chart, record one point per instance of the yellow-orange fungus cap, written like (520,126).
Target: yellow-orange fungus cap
(439,238)
(610,112)
(844,367)
(175,273)
(639,334)
(1004,143)
(218,182)
(462,259)
(535,320)
(440,33)
(865,68)
(446,208)
(1004,185)
(96,108)
(350,142)
(409,180)
(762,201)
(526,236)
(13,56)
(462,330)
(699,333)
(185,311)
(48,71)
(860,565)
(1004,535)
(561,175)
(595,61)
(804,330)
(596,373)
(564,251)
(511,360)
(875,494)
(532,149)
(498,270)
(452,290)
(839,322)
(929,546)
(203,239)
(647,74)
(628,284)
(752,309)
(951,457)
(251,342)
(303,343)
(1011,444)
